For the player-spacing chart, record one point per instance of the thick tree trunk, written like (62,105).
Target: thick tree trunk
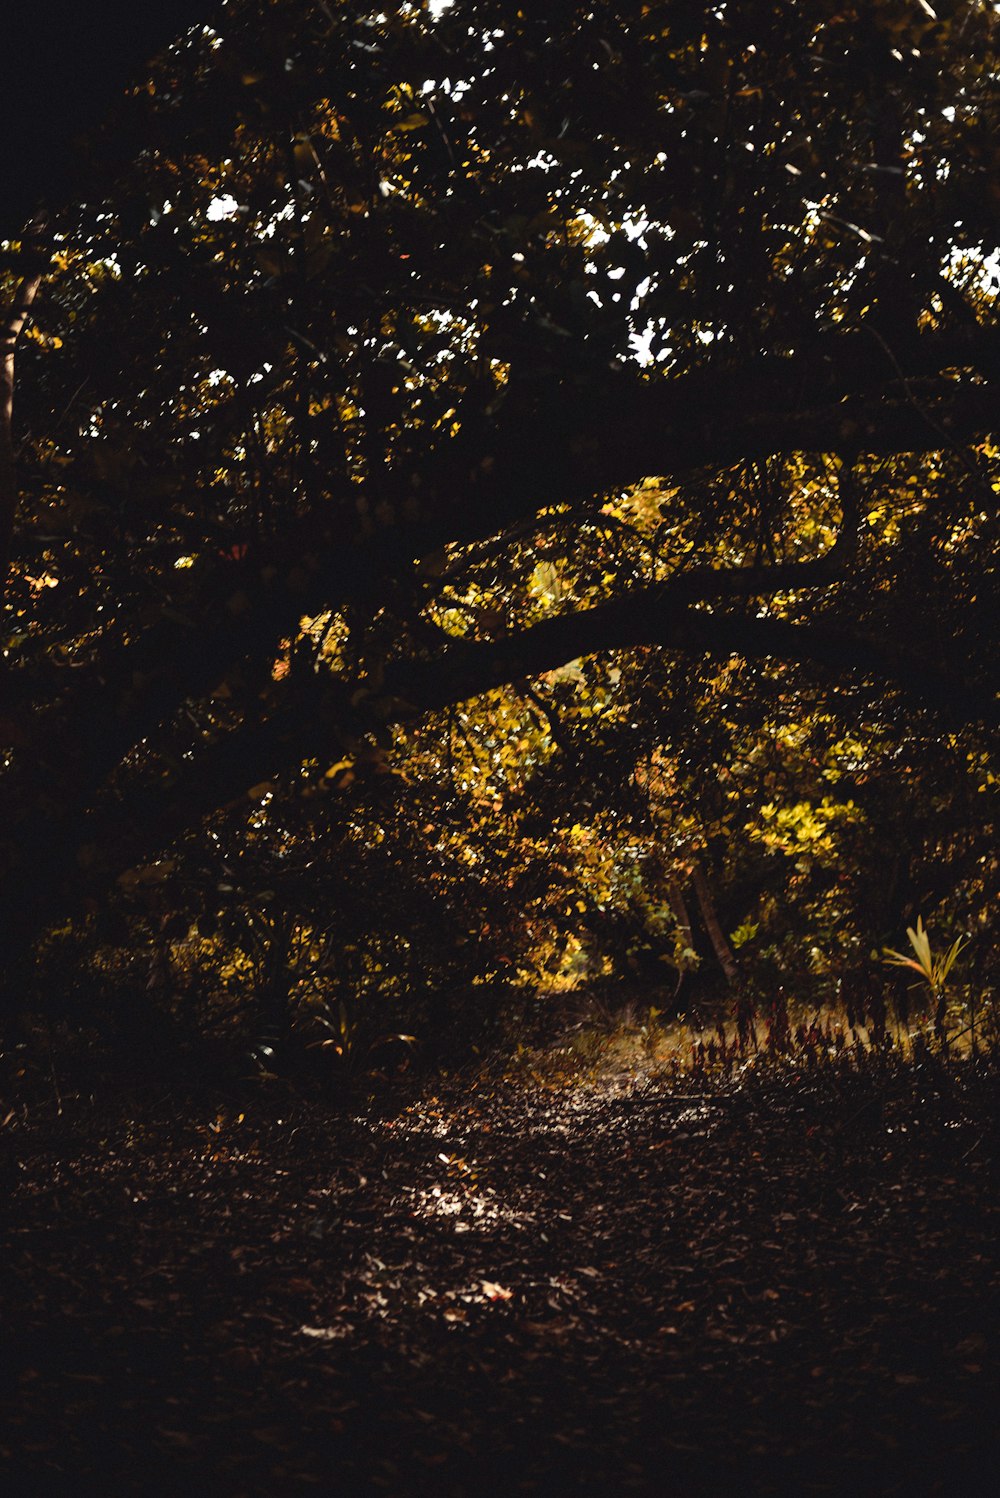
(274,994)
(679,907)
(743,1004)
(716,935)
(11,326)
(685,933)
(682,916)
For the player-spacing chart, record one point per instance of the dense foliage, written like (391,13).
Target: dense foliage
(505,499)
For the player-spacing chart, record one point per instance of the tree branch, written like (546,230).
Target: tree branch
(660,616)
(633,428)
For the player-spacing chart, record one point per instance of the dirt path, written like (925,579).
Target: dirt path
(780,1288)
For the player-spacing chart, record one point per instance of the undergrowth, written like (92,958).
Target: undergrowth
(774,1037)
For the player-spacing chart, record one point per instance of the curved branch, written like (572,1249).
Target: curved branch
(638,427)
(660,616)
(85,854)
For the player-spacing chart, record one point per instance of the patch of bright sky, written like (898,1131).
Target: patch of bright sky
(453,88)
(225,206)
(641,339)
(985,268)
(434,8)
(222,207)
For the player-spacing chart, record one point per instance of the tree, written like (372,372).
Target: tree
(422,352)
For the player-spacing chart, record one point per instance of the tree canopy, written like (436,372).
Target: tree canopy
(503,491)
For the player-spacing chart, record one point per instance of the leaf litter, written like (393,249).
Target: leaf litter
(503,1287)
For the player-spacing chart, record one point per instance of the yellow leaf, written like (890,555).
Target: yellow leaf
(414,121)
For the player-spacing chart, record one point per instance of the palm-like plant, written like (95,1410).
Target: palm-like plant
(932,967)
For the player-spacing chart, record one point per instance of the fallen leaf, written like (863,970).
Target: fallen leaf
(493,1291)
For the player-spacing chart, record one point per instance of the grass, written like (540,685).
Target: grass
(631,1040)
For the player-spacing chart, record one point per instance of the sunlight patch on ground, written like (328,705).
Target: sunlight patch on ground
(467,1209)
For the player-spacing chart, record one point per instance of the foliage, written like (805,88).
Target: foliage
(932,967)
(508,503)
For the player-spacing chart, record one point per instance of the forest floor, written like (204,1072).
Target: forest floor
(780,1284)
